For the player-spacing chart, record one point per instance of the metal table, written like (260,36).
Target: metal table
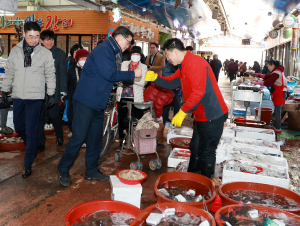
(245,95)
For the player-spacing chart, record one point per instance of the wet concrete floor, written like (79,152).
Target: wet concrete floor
(41,200)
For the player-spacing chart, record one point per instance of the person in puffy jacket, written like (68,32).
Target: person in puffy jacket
(160,98)
(243,68)
(277,81)
(29,67)
(232,69)
(202,97)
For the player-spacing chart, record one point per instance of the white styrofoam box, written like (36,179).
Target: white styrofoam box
(228,132)
(228,124)
(253,142)
(2,75)
(276,161)
(174,159)
(172,135)
(233,176)
(254,149)
(128,198)
(224,140)
(256,133)
(221,154)
(126,193)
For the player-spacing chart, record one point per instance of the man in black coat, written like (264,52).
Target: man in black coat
(216,66)
(61,65)
(265,70)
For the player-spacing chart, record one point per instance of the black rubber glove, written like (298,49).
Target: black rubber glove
(4,98)
(50,101)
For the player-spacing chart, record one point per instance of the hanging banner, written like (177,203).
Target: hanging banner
(289,21)
(295,38)
(273,34)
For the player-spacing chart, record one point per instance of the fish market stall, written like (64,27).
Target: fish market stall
(244,91)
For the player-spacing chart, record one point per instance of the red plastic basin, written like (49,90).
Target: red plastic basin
(93,206)
(12,146)
(259,208)
(173,141)
(240,120)
(184,176)
(233,186)
(141,218)
(266,114)
(131,182)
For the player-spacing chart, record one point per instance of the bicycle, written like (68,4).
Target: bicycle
(110,123)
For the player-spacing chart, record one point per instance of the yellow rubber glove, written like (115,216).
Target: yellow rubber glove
(178,118)
(150,76)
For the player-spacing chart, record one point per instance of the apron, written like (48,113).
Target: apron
(277,95)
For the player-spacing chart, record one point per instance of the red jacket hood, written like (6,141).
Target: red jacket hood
(280,67)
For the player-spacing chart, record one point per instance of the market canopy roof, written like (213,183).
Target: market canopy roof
(8,6)
(249,19)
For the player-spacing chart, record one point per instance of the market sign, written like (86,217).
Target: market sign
(273,34)
(53,21)
(289,21)
(140,31)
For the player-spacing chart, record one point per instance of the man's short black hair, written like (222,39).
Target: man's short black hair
(75,48)
(173,43)
(202,53)
(125,32)
(31,26)
(154,43)
(190,48)
(47,34)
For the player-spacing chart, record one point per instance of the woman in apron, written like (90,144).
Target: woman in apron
(276,81)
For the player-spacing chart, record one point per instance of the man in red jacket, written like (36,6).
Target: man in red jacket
(202,97)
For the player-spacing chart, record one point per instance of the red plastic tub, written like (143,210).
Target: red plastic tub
(240,120)
(257,187)
(49,131)
(141,218)
(173,141)
(131,182)
(266,114)
(12,147)
(14,134)
(259,208)
(93,206)
(251,123)
(173,176)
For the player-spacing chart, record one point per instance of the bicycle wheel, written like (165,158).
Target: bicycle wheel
(106,138)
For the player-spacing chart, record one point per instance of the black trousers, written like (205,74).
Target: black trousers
(176,103)
(123,114)
(231,74)
(203,146)
(87,127)
(26,118)
(56,120)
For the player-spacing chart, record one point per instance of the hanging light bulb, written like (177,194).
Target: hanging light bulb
(223,26)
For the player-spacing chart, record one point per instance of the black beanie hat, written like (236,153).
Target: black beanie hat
(136,49)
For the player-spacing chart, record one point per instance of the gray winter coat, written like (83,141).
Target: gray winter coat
(29,83)
(61,65)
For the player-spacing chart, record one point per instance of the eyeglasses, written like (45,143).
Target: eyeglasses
(128,43)
(33,37)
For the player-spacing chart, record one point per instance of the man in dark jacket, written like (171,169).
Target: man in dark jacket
(208,59)
(232,69)
(101,69)
(216,66)
(265,70)
(202,97)
(61,65)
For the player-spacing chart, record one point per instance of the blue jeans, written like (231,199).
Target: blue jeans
(87,127)
(26,121)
